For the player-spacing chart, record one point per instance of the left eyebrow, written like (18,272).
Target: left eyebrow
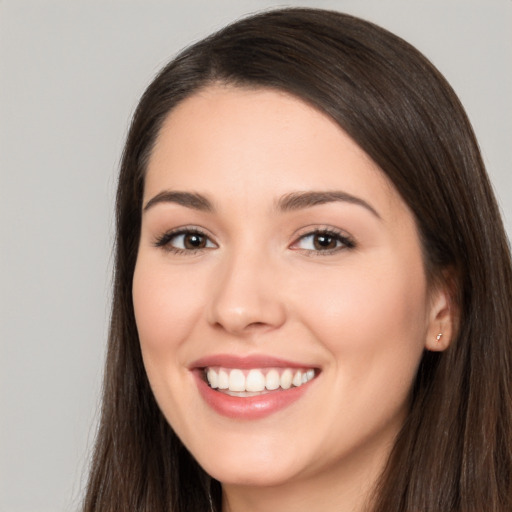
(187,199)
(300,200)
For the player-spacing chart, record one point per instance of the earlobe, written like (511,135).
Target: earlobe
(441,327)
(439,343)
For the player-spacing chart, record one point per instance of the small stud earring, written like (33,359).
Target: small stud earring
(439,336)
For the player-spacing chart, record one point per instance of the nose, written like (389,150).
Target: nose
(247,296)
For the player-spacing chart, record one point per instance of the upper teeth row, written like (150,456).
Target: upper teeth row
(256,380)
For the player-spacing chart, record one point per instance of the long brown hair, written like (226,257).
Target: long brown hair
(454,452)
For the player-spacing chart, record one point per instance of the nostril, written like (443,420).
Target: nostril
(238,310)
(256,324)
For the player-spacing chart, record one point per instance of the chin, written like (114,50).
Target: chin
(246,470)
(250,477)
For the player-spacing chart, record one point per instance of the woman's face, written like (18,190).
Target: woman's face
(277,261)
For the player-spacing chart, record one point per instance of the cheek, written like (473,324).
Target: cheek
(373,327)
(379,309)
(371,322)
(167,306)
(166,303)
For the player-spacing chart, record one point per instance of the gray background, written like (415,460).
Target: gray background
(70,76)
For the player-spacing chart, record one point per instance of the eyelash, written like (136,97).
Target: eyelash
(164,241)
(345,242)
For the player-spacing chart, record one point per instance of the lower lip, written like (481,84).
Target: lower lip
(249,407)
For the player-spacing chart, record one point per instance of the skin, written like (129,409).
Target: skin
(362,315)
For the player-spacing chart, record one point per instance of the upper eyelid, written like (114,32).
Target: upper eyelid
(321,228)
(160,240)
(298,235)
(346,239)
(180,230)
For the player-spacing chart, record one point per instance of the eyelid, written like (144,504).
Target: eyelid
(163,241)
(346,240)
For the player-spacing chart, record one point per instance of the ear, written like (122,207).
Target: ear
(442,325)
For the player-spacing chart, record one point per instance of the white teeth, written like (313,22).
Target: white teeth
(236,380)
(287,377)
(223,381)
(272,380)
(213,378)
(256,380)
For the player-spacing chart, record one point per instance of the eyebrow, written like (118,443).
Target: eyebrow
(188,199)
(300,200)
(289,202)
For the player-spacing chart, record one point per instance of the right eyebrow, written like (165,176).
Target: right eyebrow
(187,199)
(308,199)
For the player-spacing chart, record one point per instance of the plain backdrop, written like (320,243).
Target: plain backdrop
(71,73)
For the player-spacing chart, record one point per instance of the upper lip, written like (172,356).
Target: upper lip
(246,362)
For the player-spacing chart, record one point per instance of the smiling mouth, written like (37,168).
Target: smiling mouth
(256,381)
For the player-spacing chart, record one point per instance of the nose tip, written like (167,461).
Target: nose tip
(239,320)
(246,301)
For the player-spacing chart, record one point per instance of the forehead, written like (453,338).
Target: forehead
(243,140)
(268,118)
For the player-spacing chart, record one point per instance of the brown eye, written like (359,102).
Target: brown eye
(324,241)
(194,241)
(184,240)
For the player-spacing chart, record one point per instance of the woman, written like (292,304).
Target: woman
(312,305)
